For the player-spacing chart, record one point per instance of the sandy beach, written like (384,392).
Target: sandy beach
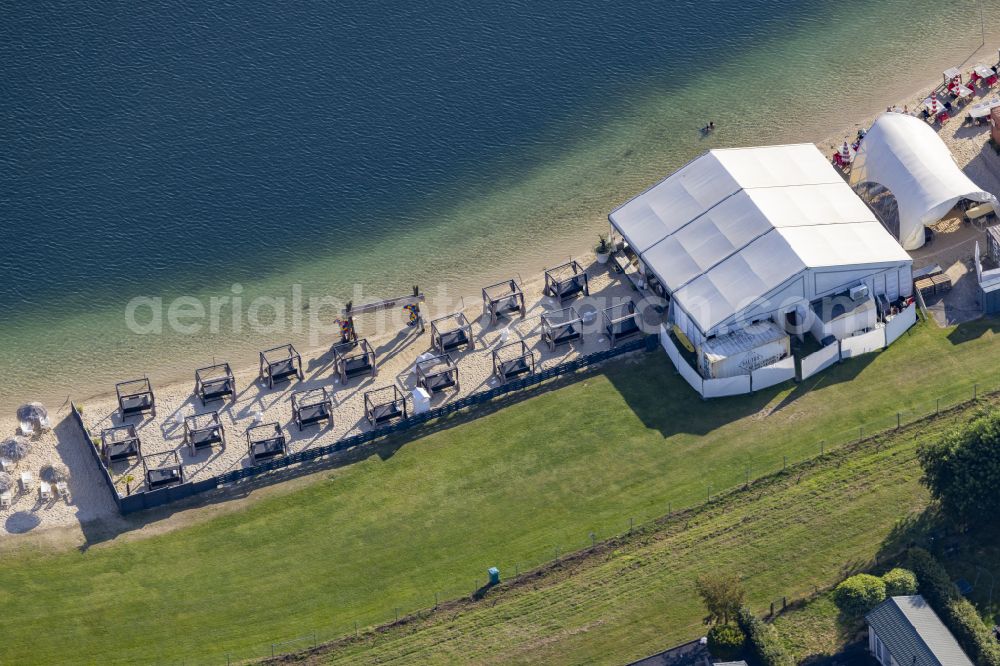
(396,351)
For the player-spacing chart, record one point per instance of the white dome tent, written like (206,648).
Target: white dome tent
(906,156)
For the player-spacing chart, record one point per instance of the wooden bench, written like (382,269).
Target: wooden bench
(941,282)
(925,286)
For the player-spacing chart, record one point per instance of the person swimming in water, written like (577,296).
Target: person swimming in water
(709,127)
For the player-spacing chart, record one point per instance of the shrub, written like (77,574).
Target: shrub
(859,594)
(932,580)
(962,469)
(725,641)
(762,640)
(955,611)
(899,582)
(970,631)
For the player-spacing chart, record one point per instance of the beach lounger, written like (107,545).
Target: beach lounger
(385,404)
(437,373)
(6,499)
(27,481)
(135,397)
(45,490)
(561,327)
(312,406)
(6,465)
(352,359)
(62,489)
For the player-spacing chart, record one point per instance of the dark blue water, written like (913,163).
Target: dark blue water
(141,139)
(170,148)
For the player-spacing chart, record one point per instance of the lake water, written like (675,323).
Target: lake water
(164,149)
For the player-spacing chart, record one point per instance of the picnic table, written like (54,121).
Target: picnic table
(983,71)
(982,109)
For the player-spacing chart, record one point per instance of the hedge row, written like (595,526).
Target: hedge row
(762,640)
(955,610)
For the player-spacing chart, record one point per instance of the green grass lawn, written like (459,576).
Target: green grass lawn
(429,516)
(784,535)
(816,629)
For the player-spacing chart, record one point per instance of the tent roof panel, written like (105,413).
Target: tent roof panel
(858,244)
(673,202)
(739,281)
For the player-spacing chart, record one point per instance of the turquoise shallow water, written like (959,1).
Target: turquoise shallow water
(166,150)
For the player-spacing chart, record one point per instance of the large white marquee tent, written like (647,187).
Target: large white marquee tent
(905,155)
(742,235)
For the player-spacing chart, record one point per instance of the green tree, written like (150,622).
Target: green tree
(962,470)
(722,594)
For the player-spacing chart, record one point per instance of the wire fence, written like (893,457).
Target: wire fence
(462,588)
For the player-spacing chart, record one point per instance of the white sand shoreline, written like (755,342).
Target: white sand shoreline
(92,501)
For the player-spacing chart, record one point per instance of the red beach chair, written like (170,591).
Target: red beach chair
(943,117)
(992,80)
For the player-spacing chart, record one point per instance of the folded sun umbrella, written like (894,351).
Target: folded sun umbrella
(15,448)
(54,473)
(33,415)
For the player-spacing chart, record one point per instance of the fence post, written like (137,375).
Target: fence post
(709,493)
(861,433)
(937,407)
(748,476)
(631,524)
(822,446)
(975,390)
(897,421)
(315,644)
(784,463)
(772,609)
(355,628)
(272,650)
(593,540)
(435,600)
